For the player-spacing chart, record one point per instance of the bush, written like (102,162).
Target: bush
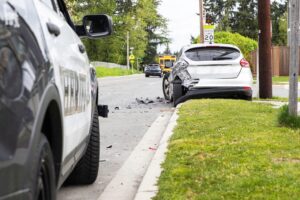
(245,44)
(285,119)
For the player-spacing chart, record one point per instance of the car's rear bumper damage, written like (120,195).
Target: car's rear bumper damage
(216,92)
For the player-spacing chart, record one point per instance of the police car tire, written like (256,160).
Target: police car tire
(86,170)
(43,184)
(177,93)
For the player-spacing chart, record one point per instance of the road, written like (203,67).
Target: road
(128,121)
(278,91)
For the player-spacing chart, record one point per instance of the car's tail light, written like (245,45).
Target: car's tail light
(244,63)
(247,88)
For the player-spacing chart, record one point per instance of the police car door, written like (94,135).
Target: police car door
(71,69)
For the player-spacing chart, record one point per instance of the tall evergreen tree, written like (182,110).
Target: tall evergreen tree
(244,20)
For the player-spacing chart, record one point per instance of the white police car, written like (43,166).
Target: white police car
(49,128)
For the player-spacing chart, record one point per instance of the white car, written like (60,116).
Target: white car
(209,71)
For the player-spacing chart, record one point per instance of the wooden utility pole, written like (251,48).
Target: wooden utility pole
(201,21)
(265,42)
(294,56)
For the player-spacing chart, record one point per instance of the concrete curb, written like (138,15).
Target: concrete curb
(148,188)
(127,180)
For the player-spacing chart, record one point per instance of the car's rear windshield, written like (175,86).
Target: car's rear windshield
(212,53)
(153,66)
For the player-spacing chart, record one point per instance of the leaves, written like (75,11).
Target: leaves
(146,27)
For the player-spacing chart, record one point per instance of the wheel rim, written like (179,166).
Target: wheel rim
(166,88)
(43,183)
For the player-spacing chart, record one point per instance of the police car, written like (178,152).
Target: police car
(49,128)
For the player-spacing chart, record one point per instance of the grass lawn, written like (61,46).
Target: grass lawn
(278,80)
(230,149)
(104,72)
(275,98)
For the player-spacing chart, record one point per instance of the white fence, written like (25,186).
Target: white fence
(108,65)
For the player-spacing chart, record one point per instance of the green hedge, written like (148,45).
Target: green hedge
(246,44)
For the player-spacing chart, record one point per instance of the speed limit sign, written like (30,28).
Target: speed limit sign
(209,34)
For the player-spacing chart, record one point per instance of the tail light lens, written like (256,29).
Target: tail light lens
(244,63)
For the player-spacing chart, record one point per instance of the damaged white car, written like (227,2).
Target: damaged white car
(209,71)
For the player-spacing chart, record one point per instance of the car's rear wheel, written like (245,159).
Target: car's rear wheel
(177,92)
(146,76)
(166,87)
(86,171)
(43,185)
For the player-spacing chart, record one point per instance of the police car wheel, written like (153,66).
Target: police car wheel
(43,167)
(86,170)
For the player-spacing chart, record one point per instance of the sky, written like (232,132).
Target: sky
(183,21)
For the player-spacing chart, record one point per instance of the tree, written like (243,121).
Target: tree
(244,20)
(140,18)
(279,18)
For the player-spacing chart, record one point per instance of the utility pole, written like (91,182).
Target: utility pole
(265,42)
(201,21)
(127,50)
(294,56)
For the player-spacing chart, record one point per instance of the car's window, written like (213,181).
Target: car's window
(49,3)
(169,63)
(212,53)
(153,66)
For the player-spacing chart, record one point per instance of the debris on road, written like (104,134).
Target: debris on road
(117,108)
(109,147)
(129,107)
(102,161)
(153,149)
(144,101)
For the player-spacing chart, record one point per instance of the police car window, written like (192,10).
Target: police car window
(49,3)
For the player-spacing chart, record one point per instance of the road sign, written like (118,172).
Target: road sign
(131,57)
(209,34)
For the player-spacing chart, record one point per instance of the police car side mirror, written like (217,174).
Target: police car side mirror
(97,26)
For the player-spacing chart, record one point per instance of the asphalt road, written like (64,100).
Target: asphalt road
(128,121)
(278,91)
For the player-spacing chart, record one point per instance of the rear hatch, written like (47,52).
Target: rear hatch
(214,62)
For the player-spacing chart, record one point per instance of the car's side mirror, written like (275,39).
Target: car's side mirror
(96,26)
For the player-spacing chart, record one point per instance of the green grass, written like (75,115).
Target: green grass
(275,98)
(104,72)
(226,149)
(285,119)
(278,80)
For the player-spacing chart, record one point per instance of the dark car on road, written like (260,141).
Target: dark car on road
(153,70)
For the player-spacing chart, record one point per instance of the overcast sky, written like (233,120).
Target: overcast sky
(183,21)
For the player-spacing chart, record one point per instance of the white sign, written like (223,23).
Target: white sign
(209,36)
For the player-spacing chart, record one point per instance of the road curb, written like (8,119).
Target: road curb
(127,180)
(148,187)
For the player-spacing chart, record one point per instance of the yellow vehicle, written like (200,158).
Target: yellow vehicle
(166,62)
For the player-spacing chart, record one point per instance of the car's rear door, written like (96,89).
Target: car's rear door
(71,69)
(214,62)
